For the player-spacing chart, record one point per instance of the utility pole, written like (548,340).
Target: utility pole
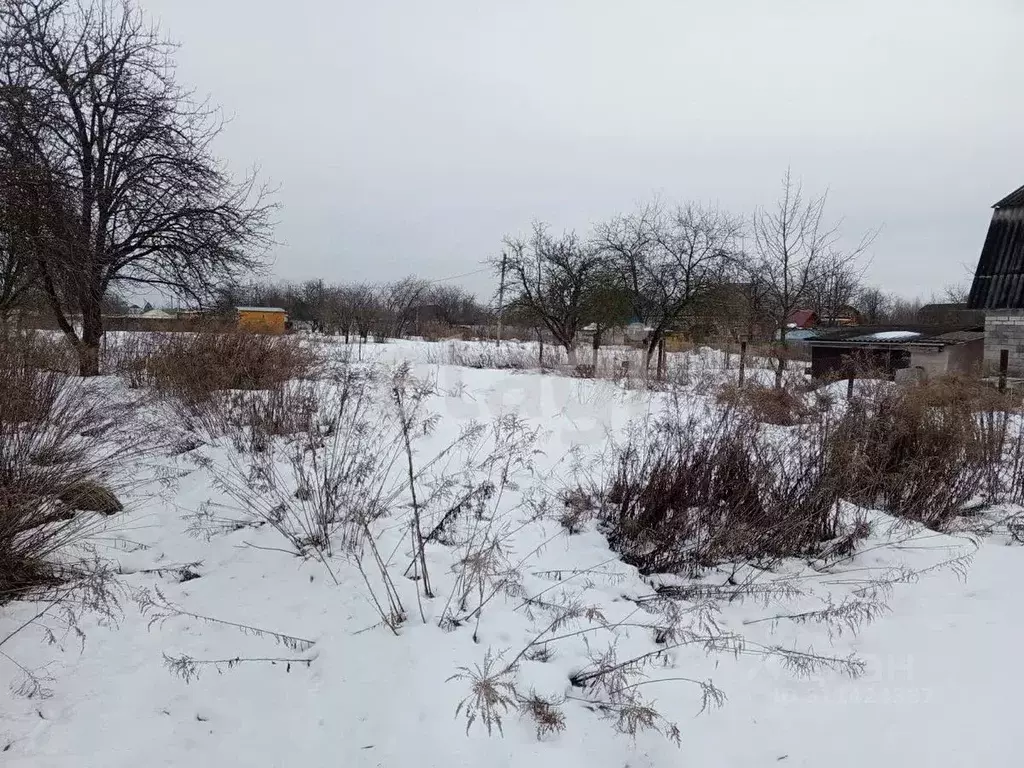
(501,295)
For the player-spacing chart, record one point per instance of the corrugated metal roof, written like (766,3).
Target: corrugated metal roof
(960,337)
(999,277)
(898,335)
(1012,200)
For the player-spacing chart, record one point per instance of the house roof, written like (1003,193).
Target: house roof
(1013,200)
(801,317)
(157,314)
(259,309)
(895,335)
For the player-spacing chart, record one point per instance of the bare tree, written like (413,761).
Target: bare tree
(17,258)
(835,283)
(956,293)
(364,307)
(454,305)
(902,310)
(550,280)
(609,304)
(669,261)
(873,304)
(91,93)
(792,244)
(400,302)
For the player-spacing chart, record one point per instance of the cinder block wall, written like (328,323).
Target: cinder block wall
(1004,329)
(933,362)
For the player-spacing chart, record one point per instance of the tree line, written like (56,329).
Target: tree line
(381,311)
(680,267)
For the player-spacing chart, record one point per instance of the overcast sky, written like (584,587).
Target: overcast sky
(410,135)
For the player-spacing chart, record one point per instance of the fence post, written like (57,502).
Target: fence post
(1004,366)
(849,385)
(743,361)
(540,338)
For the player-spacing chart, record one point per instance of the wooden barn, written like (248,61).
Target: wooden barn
(262,319)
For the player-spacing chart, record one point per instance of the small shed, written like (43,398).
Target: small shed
(935,350)
(262,319)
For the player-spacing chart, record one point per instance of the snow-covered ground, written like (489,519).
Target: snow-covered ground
(938,688)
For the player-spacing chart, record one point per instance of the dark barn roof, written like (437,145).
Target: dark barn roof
(999,278)
(1012,200)
(949,314)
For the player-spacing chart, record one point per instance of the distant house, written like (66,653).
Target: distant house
(262,319)
(802,318)
(846,315)
(636,332)
(610,335)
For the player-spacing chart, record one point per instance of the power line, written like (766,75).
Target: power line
(456,277)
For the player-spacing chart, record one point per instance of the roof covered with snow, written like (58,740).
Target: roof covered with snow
(259,309)
(889,336)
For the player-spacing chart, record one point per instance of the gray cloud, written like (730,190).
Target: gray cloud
(409,136)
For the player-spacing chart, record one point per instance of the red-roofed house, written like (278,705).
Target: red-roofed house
(802,318)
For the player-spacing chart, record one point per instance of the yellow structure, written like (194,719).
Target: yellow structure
(677,342)
(262,319)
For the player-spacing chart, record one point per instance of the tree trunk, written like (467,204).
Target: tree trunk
(781,369)
(570,352)
(597,347)
(88,346)
(652,347)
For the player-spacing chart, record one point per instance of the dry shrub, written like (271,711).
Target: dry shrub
(963,392)
(925,452)
(61,444)
(769,405)
(125,354)
(483,355)
(252,419)
(695,494)
(27,362)
(192,366)
(696,490)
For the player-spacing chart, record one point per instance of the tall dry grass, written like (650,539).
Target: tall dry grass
(62,444)
(194,366)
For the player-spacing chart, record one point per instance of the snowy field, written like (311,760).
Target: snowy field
(937,681)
